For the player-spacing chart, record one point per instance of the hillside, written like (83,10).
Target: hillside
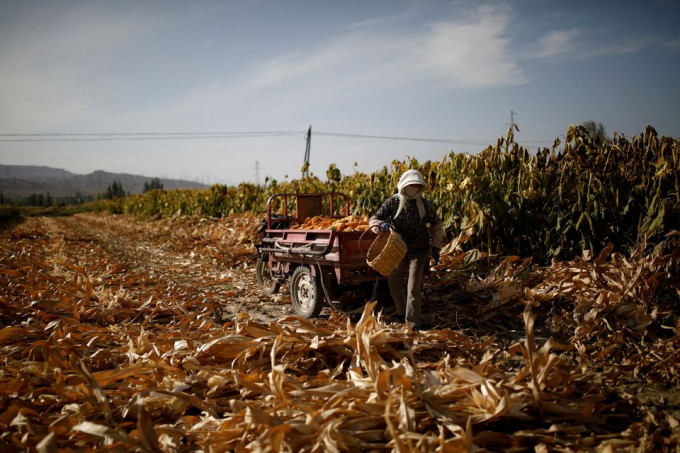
(23,180)
(33,172)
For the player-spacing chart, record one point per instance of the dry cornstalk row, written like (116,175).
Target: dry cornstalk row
(95,357)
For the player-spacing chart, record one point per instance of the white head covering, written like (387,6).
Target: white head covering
(411,177)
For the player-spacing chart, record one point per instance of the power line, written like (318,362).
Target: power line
(412,139)
(143,136)
(151,133)
(128,136)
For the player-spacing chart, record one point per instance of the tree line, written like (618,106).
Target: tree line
(112,191)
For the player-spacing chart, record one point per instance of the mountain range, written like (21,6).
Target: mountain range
(23,180)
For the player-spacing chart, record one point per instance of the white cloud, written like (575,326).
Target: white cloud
(58,66)
(474,52)
(618,48)
(378,21)
(578,44)
(557,42)
(359,66)
(457,54)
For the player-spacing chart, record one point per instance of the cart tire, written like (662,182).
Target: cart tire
(263,275)
(306,293)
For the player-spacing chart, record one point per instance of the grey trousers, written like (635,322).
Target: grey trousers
(408,303)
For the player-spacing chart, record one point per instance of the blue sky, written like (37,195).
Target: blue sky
(450,70)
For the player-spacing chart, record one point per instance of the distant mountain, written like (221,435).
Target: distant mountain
(24,180)
(32,172)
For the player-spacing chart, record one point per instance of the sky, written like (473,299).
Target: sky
(225,91)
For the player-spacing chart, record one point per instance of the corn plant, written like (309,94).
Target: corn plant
(551,204)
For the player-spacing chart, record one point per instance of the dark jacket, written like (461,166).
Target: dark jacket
(413,229)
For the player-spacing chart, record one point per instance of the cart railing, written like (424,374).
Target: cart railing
(299,248)
(307,205)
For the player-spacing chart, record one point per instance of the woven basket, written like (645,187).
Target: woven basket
(387,250)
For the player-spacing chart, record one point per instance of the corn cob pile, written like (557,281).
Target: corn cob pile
(349,223)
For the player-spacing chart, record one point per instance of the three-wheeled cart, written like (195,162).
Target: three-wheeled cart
(318,265)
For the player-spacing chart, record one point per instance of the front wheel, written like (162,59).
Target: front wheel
(306,293)
(263,274)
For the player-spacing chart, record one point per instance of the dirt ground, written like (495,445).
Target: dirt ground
(207,267)
(195,261)
(212,261)
(180,264)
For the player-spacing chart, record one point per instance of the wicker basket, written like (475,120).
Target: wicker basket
(387,250)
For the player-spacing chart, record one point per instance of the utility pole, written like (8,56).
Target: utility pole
(305,165)
(257,172)
(513,125)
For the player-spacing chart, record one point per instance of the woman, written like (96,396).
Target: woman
(416,220)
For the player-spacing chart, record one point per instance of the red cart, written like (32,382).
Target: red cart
(317,265)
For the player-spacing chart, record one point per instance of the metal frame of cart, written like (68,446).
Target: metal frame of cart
(319,266)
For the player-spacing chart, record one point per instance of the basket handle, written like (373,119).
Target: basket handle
(362,235)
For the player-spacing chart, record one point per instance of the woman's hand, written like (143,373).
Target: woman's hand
(384,226)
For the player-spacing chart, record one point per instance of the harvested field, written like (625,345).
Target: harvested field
(124,335)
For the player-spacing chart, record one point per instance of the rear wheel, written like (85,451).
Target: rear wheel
(306,293)
(264,275)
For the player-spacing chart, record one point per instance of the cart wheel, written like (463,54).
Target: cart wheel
(264,276)
(306,293)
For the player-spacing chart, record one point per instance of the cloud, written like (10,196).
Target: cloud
(578,44)
(674,44)
(53,59)
(467,52)
(68,66)
(473,52)
(360,66)
(626,46)
(378,21)
(556,42)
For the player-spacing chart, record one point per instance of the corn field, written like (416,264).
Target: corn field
(119,334)
(550,205)
(550,323)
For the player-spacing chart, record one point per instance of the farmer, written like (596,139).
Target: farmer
(416,220)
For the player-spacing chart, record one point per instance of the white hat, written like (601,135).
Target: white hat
(410,177)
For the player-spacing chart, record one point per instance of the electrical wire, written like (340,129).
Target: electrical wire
(142,136)
(104,134)
(130,136)
(412,139)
